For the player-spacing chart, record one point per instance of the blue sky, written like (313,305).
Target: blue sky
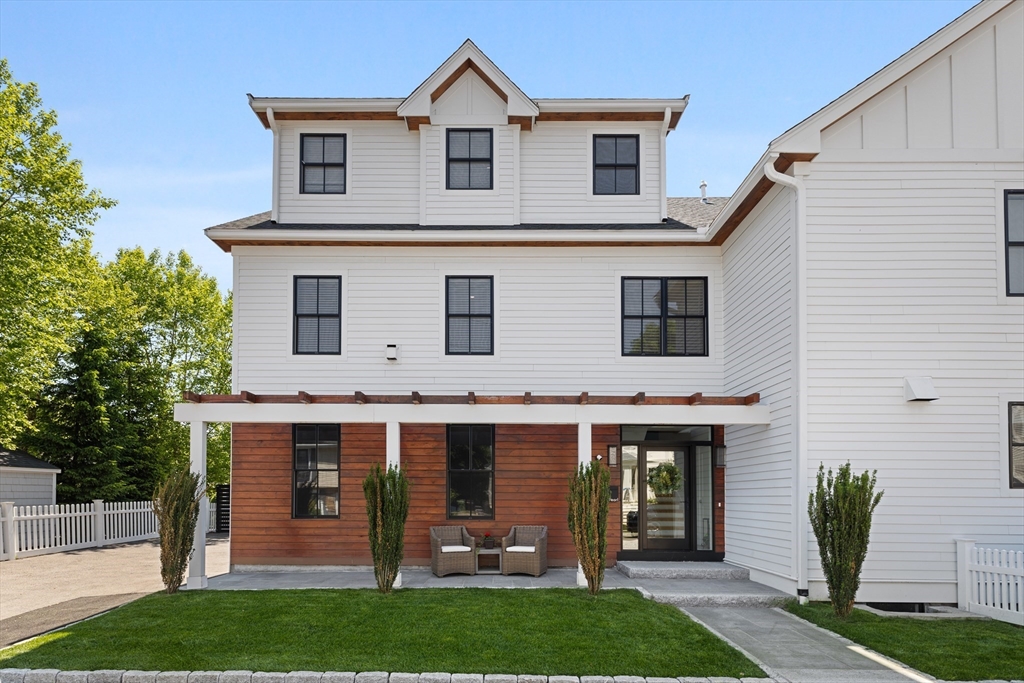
(151,95)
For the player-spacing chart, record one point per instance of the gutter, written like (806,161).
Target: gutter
(664,166)
(275,190)
(800,379)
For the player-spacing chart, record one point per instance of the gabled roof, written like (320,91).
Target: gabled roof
(23,460)
(802,142)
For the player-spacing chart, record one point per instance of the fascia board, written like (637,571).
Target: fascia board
(35,470)
(616,104)
(805,137)
(745,188)
(418,102)
(299,104)
(448,236)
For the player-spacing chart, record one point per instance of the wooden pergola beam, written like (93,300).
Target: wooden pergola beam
(583,398)
(751,399)
(304,397)
(416,398)
(248,397)
(639,398)
(696,399)
(472,398)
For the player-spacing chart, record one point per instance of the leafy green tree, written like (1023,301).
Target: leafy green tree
(45,211)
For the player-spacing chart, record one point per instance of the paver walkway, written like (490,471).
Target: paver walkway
(41,593)
(795,650)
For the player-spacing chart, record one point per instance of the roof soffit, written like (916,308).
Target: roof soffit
(467,58)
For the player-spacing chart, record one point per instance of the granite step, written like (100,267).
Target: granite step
(713,593)
(682,570)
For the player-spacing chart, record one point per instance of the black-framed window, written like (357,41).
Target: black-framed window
(1017,445)
(469,329)
(1013,212)
(317,315)
(323,163)
(470,471)
(616,164)
(665,316)
(470,159)
(316,490)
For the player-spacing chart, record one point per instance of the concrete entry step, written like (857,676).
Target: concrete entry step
(716,593)
(683,570)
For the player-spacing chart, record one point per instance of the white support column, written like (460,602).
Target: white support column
(197,463)
(584,445)
(98,526)
(964,550)
(393,455)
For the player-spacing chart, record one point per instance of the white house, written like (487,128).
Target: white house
(488,289)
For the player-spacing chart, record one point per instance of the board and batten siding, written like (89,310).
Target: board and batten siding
(757,275)
(27,488)
(557,321)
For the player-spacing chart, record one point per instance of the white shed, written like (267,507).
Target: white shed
(25,480)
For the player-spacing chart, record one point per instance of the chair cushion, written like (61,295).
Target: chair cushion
(521,549)
(455,549)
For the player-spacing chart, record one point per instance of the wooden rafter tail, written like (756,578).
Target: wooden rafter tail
(696,399)
(191,397)
(360,398)
(584,397)
(471,398)
(639,398)
(248,397)
(416,398)
(751,399)
(527,398)
(304,397)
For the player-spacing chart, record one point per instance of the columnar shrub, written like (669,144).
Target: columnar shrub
(387,508)
(176,506)
(588,520)
(840,509)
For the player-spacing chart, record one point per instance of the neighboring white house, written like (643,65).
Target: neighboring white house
(469,268)
(25,480)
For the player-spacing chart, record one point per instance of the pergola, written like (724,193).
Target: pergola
(582,410)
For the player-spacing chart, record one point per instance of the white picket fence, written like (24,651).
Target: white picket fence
(990,581)
(43,529)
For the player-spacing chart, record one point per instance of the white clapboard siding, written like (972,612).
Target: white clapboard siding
(470,207)
(384,175)
(557,172)
(757,271)
(904,263)
(557,321)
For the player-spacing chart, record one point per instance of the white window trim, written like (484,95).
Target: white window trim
(1000,242)
(655,272)
(469,270)
(1004,445)
(323,129)
(442,158)
(641,166)
(316,270)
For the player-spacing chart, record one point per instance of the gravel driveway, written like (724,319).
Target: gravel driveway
(41,593)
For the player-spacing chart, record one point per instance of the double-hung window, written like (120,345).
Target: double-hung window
(1013,210)
(323,164)
(471,471)
(665,316)
(616,164)
(1017,445)
(317,315)
(470,159)
(317,466)
(470,316)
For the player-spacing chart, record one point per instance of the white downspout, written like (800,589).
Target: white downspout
(800,373)
(275,190)
(664,165)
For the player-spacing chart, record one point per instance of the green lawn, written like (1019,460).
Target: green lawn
(949,649)
(542,631)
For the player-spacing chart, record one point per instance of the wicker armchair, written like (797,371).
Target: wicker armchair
(515,559)
(453,561)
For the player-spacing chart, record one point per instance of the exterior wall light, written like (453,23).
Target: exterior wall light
(719,456)
(613,456)
(392,352)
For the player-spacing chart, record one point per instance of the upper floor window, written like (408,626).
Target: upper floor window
(317,315)
(1017,445)
(323,164)
(470,157)
(317,464)
(1014,213)
(470,316)
(471,471)
(616,164)
(665,316)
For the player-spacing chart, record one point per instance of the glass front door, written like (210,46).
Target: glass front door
(664,518)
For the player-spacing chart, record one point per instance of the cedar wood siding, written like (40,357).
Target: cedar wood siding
(532,467)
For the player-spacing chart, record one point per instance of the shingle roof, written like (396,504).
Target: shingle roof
(10,458)
(694,212)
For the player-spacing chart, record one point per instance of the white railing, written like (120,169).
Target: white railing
(42,529)
(990,581)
